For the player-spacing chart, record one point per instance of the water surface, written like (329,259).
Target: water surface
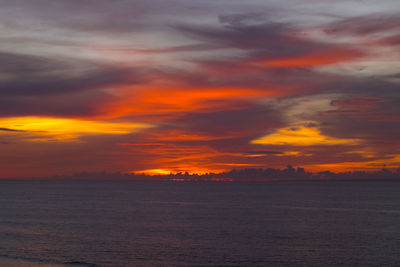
(201,224)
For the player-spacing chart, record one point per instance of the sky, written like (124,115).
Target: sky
(161,86)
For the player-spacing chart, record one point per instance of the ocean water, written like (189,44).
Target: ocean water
(120,223)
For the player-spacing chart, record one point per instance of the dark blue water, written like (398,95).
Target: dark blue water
(201,224)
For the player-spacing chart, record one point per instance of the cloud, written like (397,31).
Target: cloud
(365,25)
(392,40)
(38,85)
(45,128)
(227,83)
(277,44)
(263,153)
(359,102)
(7,143)
(301,136)
(231,123)
(10,130)
(32,75)
(12,63)
(264,36)
(312,59)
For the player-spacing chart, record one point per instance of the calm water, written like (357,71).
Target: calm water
(201,224)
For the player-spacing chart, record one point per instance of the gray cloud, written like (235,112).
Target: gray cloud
(37,85)
(9,130)
(263,36)
(101,16)
(33,75)
(247,122)
(364,25)
(21,64)
(368,109)
(67,104)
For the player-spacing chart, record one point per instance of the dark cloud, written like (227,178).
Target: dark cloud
(241,122)
(33,85)
(33,75)
(375,87)
(267,152)
(75,104)
(7,143)
(262,42)
(9,130)
(36,85)
(368,110)
(58,84)
(310,124)
(263,36)
(21,64)
(255,33)
(373,132)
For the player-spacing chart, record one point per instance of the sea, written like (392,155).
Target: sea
(131,223)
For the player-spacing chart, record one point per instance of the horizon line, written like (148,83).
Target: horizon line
(246,174)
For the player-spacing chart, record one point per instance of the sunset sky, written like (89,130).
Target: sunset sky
(162,86)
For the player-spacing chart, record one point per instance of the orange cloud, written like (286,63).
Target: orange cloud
(64,129)
(301,136)
(181,135)
(147,100)
(312,60)
(177,157)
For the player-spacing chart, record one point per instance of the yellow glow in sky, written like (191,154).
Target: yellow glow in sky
(301,136)
(154,172)
(64,129)
(289,153)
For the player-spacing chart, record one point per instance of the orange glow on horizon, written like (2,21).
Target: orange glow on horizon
(183,170)
(154,172)
(372,165)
